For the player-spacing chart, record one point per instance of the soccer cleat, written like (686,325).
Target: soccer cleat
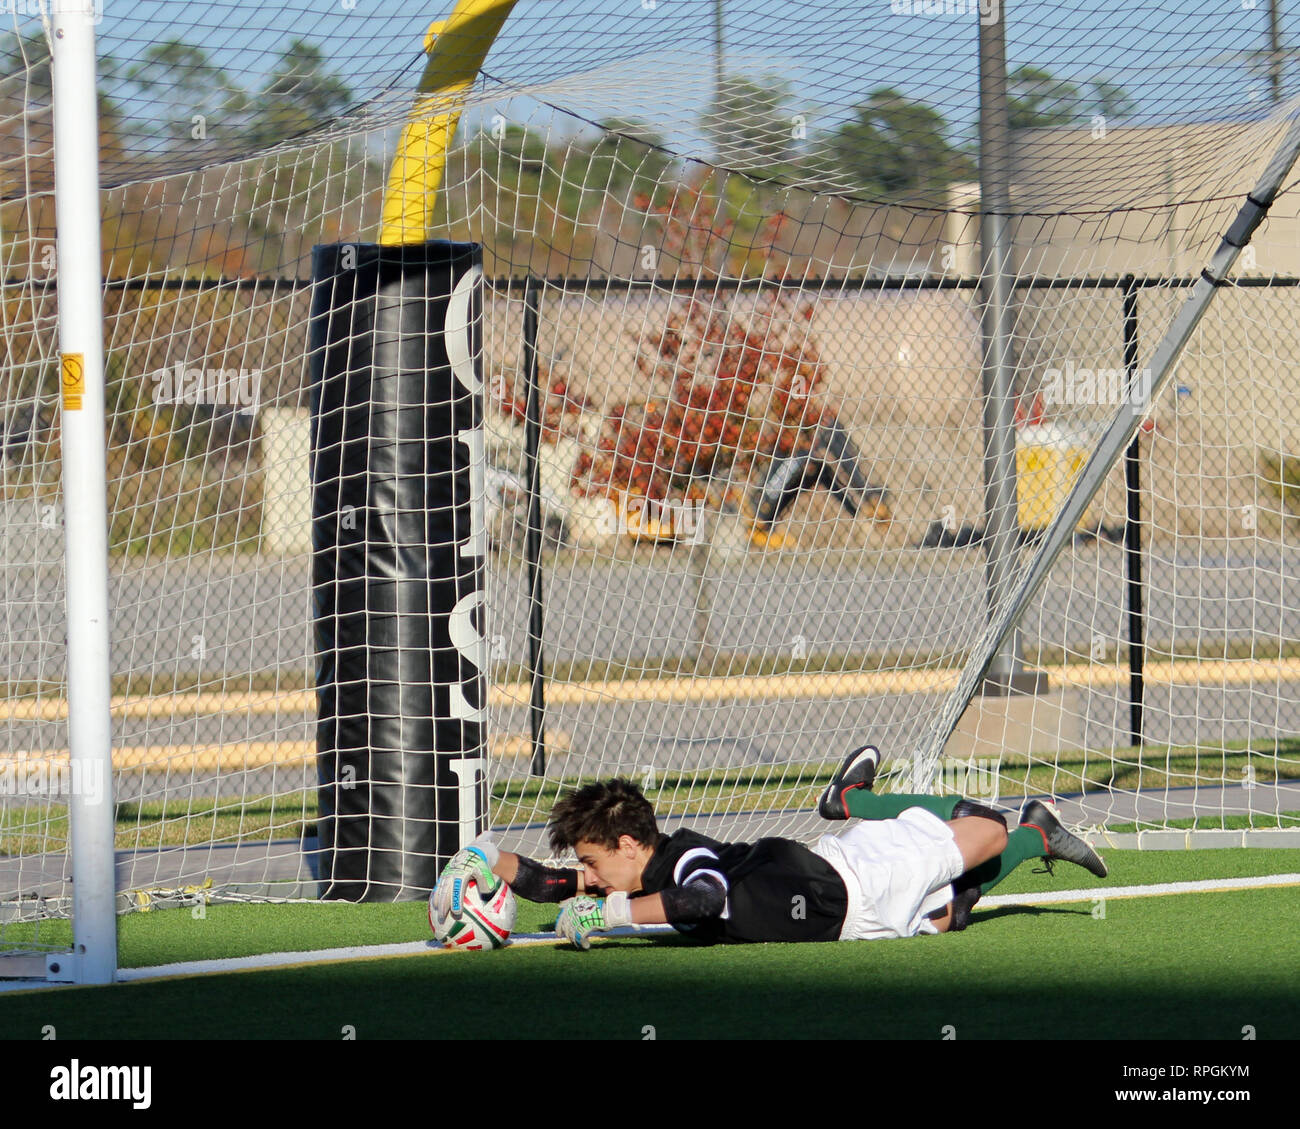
(1060,843)
(857,771)
(963,901)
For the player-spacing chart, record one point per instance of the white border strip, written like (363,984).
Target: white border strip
(357,952)
(315,956)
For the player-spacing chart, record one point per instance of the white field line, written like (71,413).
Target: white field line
(1204,886)
(322,956)
(430,948)
(315,956)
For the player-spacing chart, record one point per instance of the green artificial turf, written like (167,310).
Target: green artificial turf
(1247,821)
(220,931)
(1146,868)
(1189,966)
(1149,968)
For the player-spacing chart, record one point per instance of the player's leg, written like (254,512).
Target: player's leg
(981,841)
(980,829)
(944,920)
(897,872)
(1041,835)
(849,793)
(980,837)
(1020,845)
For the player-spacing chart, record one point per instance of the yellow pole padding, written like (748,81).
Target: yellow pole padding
(456,47)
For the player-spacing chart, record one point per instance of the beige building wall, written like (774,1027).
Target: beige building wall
(1155,201)
(903,368)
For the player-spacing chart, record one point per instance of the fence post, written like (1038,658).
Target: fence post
(1133,527)
(533,541)
(1006,674)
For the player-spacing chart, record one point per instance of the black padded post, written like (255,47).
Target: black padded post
(398,559)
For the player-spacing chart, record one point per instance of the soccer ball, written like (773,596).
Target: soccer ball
(486,922)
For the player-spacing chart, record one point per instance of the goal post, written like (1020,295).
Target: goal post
(399,548)
(93,959)
(456,48)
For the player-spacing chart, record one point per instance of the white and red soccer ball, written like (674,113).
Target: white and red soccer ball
(485,923)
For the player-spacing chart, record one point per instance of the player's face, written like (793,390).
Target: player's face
(617,869)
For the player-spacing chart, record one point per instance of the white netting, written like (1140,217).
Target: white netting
(726,235)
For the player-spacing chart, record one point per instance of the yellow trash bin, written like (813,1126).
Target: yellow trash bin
(1048,460)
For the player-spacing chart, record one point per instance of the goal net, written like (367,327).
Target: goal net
(781,496)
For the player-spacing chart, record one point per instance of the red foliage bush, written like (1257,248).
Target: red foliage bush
(733,380)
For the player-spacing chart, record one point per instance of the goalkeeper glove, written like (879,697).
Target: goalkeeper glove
(473,862)
(581,917)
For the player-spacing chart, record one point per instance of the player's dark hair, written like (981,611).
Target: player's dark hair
(602,813)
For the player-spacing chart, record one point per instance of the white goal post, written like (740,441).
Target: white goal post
(93,959)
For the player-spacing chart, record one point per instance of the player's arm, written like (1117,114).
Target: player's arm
(702,897)
(648,910)
(535,882)
(681,905)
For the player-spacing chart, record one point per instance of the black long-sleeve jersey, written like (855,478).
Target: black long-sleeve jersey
(774,889)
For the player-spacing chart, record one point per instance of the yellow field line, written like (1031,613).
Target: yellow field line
(235,757)
(851,684)
(239,756)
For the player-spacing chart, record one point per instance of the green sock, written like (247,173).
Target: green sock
(1023,843)
(865,804)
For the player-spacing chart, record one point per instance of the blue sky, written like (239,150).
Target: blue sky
(1177,58)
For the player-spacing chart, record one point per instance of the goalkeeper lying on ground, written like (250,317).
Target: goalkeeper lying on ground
(917,864)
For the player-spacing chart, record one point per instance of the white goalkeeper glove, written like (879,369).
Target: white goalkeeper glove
(473,862)
(581,917)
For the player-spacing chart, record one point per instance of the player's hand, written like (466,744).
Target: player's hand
(581,917)
(475,863)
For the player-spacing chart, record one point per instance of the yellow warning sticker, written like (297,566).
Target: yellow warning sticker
(74,381)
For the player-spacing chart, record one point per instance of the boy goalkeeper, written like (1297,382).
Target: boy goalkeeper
(916,864)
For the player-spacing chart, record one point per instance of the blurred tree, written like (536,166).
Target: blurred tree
(299,96)
(896,146)
(1110,100)
(27,152)
(1035,98)
(26,117)
(188,101)
(510,179)
(752,126)
(283,193)
(627,159)
(545,204)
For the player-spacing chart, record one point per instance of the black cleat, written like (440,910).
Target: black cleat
(857,771)
(1046,820)
(963,901)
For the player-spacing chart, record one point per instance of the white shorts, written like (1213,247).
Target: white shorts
(897,871)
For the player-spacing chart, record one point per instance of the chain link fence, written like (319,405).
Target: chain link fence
(663,563)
